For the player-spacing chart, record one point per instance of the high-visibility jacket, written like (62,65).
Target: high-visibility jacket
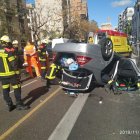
(52,71)
(43,54)
(29,50)
(8,63)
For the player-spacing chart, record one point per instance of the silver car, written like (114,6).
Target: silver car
(92,62)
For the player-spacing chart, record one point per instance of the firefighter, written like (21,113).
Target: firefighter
(9,74)
(18,53)
(43,59)
(51,73)
(15,46)
(31,59)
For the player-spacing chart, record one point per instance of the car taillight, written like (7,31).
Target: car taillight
(82,60)
(54,56)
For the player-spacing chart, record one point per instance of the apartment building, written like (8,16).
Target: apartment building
(78,8)
(106,26)
(136,22)
(12,19)
(120,22)
(125,20)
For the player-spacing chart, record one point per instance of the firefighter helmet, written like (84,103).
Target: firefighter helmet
(15,42)
(5,38)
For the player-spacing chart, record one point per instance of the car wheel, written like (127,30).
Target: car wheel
(106,48)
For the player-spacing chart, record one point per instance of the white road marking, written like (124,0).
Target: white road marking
(28,115)
(66,124)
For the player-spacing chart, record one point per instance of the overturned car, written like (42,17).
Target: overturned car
(84,65)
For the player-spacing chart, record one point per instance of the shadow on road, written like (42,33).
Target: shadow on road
(34,95)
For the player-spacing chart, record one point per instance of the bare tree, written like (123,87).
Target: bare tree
(79,27)
(46,21)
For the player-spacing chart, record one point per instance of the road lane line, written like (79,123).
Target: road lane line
(11,129)
(25,85)
(66,124)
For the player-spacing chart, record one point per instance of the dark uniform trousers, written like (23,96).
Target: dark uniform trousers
(6,82)
(43,68)
(43,59)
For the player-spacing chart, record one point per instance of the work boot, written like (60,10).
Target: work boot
(11,106)
(21,106)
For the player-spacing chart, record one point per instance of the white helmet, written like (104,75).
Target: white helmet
(15,42)
(5,38)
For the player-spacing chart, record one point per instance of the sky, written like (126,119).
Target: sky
(102,10)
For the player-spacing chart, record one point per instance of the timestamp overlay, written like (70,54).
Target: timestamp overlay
(129,132)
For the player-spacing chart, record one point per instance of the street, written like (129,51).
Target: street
(54,115)
(91,48)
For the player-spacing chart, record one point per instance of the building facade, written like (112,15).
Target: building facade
(79,8)
(136,22)
(49,17)
(57,15)
(13,19)
(120,22)
(106,26)
(125,20)
(77,13)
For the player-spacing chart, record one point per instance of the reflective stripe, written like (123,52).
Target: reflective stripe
(42,59)
(138,84)
(7,73)
(5,65)
(43,53)
(5,86)
(17,72)
(52,71)
(49,77)
(6,69)
(19,85)
(11,58)
(2,51)
(3,55)
(43,68)
(16,86)
(109,82)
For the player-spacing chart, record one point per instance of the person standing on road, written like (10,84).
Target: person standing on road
(31,59)
(43,59)
(18,53)
(51,74)
(9,75)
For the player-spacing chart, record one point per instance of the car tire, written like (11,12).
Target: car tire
(106,48)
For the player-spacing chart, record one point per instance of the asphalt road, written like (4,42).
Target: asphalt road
(53,115)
